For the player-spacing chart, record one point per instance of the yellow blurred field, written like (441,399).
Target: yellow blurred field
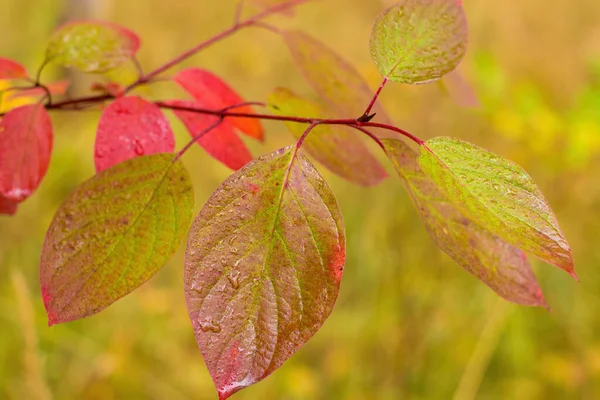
(409,323)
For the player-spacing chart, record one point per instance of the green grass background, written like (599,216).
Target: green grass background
(409,323)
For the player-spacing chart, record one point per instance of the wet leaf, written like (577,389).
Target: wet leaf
(25,149)
(10,69)
(213,93)
(131,127)
(112,234)
(419,41)
(8,207)
(92,46)
(498,195)
(502,267)
(337,148)
(336,81)
(221,142)
(263,266)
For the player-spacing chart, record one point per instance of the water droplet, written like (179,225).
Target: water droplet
(232,240)
(496,187)
(234,250)
(138,148)
(209,325)
(233,278)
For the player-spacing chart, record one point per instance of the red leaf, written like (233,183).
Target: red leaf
(211,92)
(7,207)
(10,69)
(131,127)
(222,142)
(25,149)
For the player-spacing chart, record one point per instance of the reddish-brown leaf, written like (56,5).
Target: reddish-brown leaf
(263,266)
(25,148)
(336,147)
(501,266)
(221,142)
(131,127)
(335,80)
(10,69)
(7,207)
(212,92)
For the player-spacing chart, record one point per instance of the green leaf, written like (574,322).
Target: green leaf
(337,148)
(92,46)
(499,195)
(113,233)
(418,41)
(263,266)
(502,267)
(336,81)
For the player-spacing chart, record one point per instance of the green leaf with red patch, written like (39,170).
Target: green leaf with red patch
(92,46)
(113,233)
(337,148)
(501,266)
(263,266)
(419,41)
(498,195)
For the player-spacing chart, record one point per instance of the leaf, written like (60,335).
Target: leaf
(419,41)
(502,267)
(212,92)
(336,81)
(457,87)
(10,69)
(263,266)
(92,46)
(7,207)
(221,142)
(336,148)
(37,93)
(498,195)
(113,233)
(131,127)
(25,149)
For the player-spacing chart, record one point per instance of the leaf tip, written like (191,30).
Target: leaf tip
(574,275)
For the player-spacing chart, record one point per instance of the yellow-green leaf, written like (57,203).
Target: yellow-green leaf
(113,233)
(418,41)
(92,46)
(499,265)
(498,195)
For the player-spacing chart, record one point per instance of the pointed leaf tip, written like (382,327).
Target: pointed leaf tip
(419,41)
(263,266)
(499,195)
(501,266)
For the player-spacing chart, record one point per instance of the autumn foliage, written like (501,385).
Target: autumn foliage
(266,254)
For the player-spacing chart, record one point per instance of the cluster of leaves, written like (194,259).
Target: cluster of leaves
(265,255)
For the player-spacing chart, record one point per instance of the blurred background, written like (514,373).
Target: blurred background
(409,323)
